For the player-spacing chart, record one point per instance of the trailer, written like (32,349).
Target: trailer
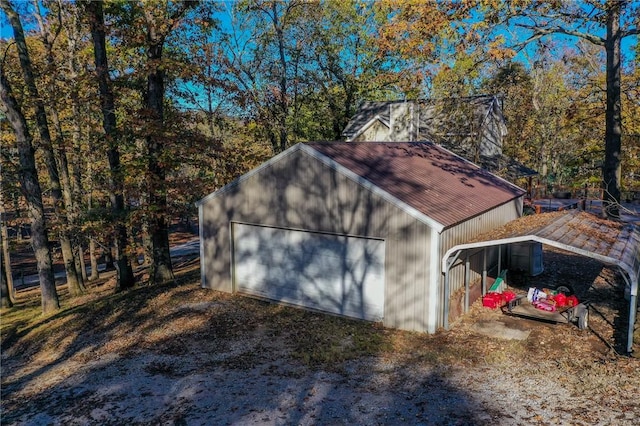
(520,306)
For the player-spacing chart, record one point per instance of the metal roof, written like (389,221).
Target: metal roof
(610,242)
(424,176)
(429,182)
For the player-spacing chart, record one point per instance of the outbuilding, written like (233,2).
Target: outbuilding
(355,229)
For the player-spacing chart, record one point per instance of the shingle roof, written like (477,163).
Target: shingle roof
(425,176)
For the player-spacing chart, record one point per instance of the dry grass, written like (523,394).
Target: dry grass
(155,317)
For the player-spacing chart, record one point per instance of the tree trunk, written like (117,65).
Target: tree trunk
(47,145)
(542,133)
(33,194)
(40,113)
(160,270)
(348,112)
(74,278)
(125,278)
(611,172)
(147,244)
(6,296)
(76,158)
(39,235)
(94,260)
(18,211)
(283,102)
(73,283)
(69,219)
(6,257)
(6,254)
(108,255)
(93,257)
(78,255)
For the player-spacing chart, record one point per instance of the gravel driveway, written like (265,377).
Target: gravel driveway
(186,356)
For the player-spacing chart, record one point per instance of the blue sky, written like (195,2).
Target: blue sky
(6,32)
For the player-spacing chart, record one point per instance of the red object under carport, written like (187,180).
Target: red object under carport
(612,243)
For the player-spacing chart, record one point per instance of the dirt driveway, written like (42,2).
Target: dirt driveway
(181,355)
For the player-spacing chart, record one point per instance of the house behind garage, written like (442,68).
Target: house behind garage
(354,229)
(473,127)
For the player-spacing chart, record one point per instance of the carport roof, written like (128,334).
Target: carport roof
(610,242)
(579,232)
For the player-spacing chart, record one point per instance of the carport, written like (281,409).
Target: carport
(612,243)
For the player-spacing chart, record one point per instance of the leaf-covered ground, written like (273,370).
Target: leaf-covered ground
(179,354)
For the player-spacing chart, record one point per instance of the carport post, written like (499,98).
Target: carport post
(633,303)
(447,264)
(484,271)
(445,320)
(631,280)
(467,278)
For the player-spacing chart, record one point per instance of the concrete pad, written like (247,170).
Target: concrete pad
(500,330)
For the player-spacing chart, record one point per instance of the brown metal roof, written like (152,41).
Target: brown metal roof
(425,176)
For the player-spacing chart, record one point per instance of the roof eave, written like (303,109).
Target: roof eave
(532,237)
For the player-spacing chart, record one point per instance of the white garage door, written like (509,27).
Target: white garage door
(332,273)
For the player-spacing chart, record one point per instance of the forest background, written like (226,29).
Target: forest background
(116,116)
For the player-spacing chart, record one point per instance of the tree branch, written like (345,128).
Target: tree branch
(541,32)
